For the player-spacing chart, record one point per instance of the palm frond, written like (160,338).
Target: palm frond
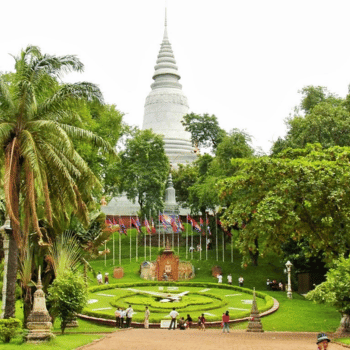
(65,253)
(5,97)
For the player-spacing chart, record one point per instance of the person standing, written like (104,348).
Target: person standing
(188,321)
(225,322)
(117,318)
(147,313)
(240,281)
(106,278)
(219,278)
(129,311)
(203,320)
(99,277)
(229,279)
(122,316)
(173,315)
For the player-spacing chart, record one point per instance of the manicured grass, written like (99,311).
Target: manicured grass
(207,299)
(344,340)
(65,342)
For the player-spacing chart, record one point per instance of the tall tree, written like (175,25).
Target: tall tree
(144,170)
(326,120)
(42,168)
(205,130)
(301,195)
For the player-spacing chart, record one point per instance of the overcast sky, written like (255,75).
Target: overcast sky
(243,61)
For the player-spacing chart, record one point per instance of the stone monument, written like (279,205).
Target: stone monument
(254,324)
(166,105)
(39,321)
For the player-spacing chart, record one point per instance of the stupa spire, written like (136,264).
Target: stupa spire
(165,72)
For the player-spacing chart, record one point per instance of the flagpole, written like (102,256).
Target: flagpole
(137,233)
(145,242)
(216,238)
(130,236)
(200,244)
(150,240)
(232,248)
(192,242)
(186,236)
(163,232)
(113,244)
(120,249)
(178,242)
(158,231)
(223,247)
(206,238)
(105,251)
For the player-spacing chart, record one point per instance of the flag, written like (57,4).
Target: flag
(148,228)
(201,221)
(161,219)
(195,225)
(138,222)
(174,226)
(108,223)
(122,226)
(153,229)
(134,223)
(189,219)
(180,224)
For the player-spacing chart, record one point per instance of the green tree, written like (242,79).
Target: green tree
(336,290)
(144,170)
(205,130)
(43,172)
(326,121)
(67,296)
(302,195)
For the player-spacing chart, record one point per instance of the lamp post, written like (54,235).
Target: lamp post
(289,286)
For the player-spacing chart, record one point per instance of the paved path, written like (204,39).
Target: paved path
(211,339)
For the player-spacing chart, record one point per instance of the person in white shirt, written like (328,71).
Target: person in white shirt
(240,281)
(173,315)
(129,311)
(229,279)
(99,278)
(219,278)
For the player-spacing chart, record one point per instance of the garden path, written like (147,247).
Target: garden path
(211,339)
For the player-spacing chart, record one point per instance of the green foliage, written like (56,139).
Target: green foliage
(9,328)
(303,194)
(68,296)
(327,121)
(336,289)
(204,129)
(145,168)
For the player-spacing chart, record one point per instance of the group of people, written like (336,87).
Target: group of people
(123,317)
(274,286)
(186,323)
(99,278)
(229,279)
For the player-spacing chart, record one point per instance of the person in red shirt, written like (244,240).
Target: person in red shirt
(202,318)
(225,322)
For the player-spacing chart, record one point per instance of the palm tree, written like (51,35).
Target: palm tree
(42,168)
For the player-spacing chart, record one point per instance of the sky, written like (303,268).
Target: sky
(243,61)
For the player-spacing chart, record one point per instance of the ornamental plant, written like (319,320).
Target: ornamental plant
(9,328)
(68,296)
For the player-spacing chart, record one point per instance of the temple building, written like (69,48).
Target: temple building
(166,105)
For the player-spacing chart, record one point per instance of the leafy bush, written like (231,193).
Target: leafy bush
(68,296)
(9,328)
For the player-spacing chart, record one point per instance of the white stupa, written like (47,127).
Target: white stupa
(166,105)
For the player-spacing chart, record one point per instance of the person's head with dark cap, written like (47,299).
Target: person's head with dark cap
(322,339)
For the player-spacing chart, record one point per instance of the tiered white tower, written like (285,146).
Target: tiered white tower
(166,104)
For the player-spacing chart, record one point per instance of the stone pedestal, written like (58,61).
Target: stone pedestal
(167,264)
(39,321)
(118,272)
(254,324)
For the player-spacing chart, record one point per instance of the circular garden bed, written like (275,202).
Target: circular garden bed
(208,298)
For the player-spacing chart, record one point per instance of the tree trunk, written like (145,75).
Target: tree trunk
(10,307)
(27,304)
(255,256)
